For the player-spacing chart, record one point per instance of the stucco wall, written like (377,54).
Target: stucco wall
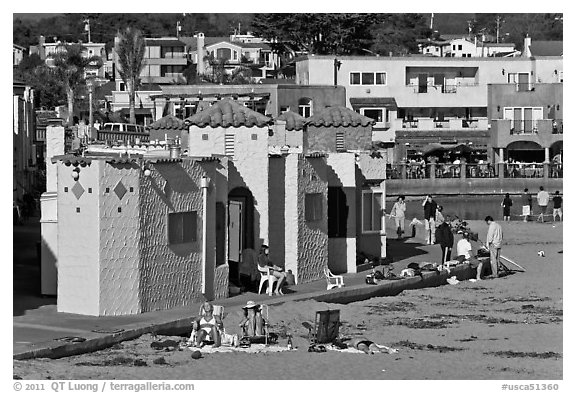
(322,138)
(199,147)
(342,173)
(171,274)
(249,169)
(291,215)
(119,277)
(312,235)
(321,96)
(78,241)
(358,138)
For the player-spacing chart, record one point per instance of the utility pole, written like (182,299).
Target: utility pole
(87,28)
(337,64)
(178,29)
(498,20)
(470,24)
(432,22)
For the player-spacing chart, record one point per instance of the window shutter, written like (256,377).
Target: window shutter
(229,145)
(340,141)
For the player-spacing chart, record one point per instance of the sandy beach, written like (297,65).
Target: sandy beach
(506,328)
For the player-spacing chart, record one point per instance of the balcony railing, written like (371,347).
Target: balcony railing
(524,127)
(556,171)
(523,170)
(41,134)
(444,89)
(124,137)
(471,171)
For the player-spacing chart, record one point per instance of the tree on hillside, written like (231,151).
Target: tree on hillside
(130,50)
(316,33)
(68,65)
(397,34)
(48,90)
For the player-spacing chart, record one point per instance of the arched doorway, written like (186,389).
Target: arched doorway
(525,151)
(240,228)
(557,152)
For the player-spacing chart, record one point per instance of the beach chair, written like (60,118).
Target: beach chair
(218,312)
(266,275)
(325,328)
(332,281)
(266,337)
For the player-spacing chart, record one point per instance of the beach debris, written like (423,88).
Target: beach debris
(452,280)
(415,221)
(140,363)
(159,360)
(541,253)
(408,272)
(472,280)
(196,355)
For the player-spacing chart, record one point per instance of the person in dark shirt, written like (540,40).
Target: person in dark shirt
(526,204)
(430,208)
(557,201)
(445,238)
(506,204)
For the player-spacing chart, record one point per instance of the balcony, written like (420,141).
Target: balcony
(428,124)
(542,131)
(523,170)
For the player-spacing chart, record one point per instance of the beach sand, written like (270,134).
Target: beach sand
(506,328)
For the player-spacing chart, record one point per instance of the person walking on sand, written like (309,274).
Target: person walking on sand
(526,204)
(506,204)
(557,200)
(494,244)
(430,208)
(398,212)
(543,197)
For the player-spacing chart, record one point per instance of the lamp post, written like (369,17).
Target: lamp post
(90,85)
(337,64)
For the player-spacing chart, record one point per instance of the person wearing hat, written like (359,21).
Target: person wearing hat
(253,322)
(464,251)
(265,263)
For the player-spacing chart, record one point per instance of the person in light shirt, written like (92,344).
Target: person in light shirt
(543,197)
(494,244)
(464,251)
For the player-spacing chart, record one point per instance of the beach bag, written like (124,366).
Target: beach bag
(378,275)
(370,279)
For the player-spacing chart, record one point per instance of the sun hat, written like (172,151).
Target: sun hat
(251,304)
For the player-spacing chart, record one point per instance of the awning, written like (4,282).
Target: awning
(456,147)
(376,102)
(137,111)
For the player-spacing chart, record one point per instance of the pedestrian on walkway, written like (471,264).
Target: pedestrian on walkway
(543,197)
(557,200)
(398,212)
(526,204)
(494,244)
(506,204)
(430,208)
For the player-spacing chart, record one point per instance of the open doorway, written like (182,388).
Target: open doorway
(240,233)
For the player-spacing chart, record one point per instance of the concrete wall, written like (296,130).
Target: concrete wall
(171,274)
(468,187)
(118,238)
(312,235)
(358,138)
(545,95)
(321,96)
(219,180)
(282,137)
(79,240)
(321,138)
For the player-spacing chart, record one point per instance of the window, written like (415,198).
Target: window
(459,47)
(453,47)
(313,207)
(368,78)
(372,209)
(305,107)
(182,227)
(380,78)
(375,114)
(284,109)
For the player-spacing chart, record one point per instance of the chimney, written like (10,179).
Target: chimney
(527,44)
(200,53)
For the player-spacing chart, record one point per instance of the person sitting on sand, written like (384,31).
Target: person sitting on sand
(368,346)
(464,250)
(253,322)
(207,325)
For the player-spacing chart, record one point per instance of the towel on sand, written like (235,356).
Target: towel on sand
(254,348)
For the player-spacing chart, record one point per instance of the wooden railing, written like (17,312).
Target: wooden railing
(124,137)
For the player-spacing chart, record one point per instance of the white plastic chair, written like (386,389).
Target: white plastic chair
(332,280)
(265,274)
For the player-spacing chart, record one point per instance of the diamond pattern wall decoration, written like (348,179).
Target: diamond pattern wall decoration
(120,190)
(78,190)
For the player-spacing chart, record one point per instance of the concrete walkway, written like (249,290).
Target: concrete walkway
(40,331)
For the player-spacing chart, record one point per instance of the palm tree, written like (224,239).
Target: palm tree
(130,48)
(68,65)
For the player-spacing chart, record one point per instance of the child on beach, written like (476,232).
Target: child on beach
(464,251)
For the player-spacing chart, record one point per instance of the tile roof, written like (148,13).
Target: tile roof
(227,113)
(192,42)
(337,116)
(169,122)
(164,42)
(293,120)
